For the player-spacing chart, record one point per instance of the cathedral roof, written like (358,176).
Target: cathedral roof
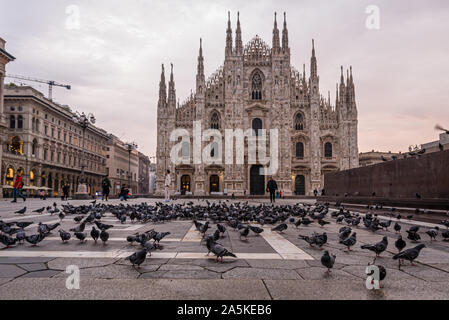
(257,50)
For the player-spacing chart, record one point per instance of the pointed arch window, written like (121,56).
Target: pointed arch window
(299,122)
(34,147)
(256,86)
(12,122)
(257,127)
(328,150)
(215,121)
(300,150)
(19,122)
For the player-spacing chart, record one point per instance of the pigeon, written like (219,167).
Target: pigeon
(400,243)
(103,226)
(79,228)
(95,234)
(35,239)
(65,236)
(131,239)
(216,235)
(219,251)
(445,235)
(123,219)
(20,236)
(298,223)
(244,233)
(382,274)
(320,239)
(350,241)
(385,224)
(204,227)
(280,228)
(344,233)
(414,236)
(21,211)
(397,227)
(7,240)
(43,228)
(78,219)
(414,229)
(445,223)
(61,216)
(410,217)
(328,260)
(433,233)
(256,230)
(340,219)
(322,223)
(221,228)
(39,210)
(310,240)
(138,257)
(22,225)
(104,236)
(409,254)
(81,236)
(377,248)
(159,236)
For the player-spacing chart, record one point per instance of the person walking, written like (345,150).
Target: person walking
(167,186)
(65,192)
(18,185)
(272,187)
(124,193)
(106,186)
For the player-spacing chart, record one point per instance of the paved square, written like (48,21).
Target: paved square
(268,266)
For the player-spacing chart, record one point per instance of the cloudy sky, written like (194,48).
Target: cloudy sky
(113,59)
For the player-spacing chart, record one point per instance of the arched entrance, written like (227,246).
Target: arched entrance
(214,183)
(257,181)
(300,185)
(185,183)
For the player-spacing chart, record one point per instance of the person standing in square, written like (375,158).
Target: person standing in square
(167,185)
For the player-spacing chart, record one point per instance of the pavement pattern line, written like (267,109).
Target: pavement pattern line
(120,254)
(192,235)
(283,247)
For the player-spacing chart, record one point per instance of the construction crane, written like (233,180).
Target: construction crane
(50,83)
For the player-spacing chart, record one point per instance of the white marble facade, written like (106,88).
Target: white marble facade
(257,86)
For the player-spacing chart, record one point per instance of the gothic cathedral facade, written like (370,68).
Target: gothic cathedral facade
(258,88)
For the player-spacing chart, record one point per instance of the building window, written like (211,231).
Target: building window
(328,150)
(299,122)
(10,176)
(256,85)
(16,145)
(32,178)
(45,154)
(185,150)
(46,130)
(34,147)
(214,152)
(12,122)
(215,121)
(185,183)
(300,150)
(257,127)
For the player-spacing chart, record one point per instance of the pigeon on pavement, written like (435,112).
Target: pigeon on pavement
(377,248)
(21,211)
(328,260)
(409,254)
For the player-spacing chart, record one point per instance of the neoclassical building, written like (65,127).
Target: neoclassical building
(42,140)
(257,87)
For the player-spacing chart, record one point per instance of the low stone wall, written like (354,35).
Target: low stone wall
(427,175)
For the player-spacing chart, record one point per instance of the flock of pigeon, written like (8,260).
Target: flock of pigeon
(238,216)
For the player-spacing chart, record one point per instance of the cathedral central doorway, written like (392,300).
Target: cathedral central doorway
(257,181)
(300,185)
(214,183)
(185,183)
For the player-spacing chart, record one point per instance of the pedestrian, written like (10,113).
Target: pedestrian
(18,185)
(124,196)
(65,192)
(106,186)
(272,187)
(167,186)
(315,192)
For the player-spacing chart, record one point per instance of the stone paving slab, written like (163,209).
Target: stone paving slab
(43,274)
(138,289)
(260,273)
(319,273)
(10,271)
(107,272)
(355,290)
(63,263)
(181,274)
(33,266)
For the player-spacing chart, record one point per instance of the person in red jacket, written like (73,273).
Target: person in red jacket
(18,185)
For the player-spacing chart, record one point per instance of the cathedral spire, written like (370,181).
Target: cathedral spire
(238,36)
(313,62)
(276,44)
(336,97)
(162,91)
(228,51)
(285,35)
(171,90)
(200,78)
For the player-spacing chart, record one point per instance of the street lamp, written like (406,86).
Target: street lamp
(130,146)
(84,121)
